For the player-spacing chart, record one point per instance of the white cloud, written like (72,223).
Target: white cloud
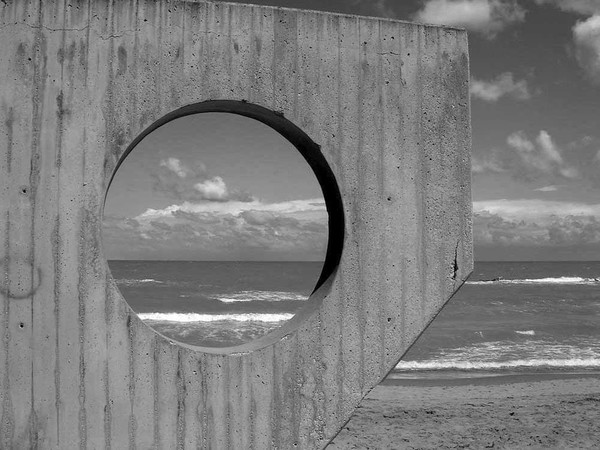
(222,230)
(586,37)
(174,165)
(534,209)
(502,85)
(483,165)
(551,188)
(184,182)
(213,189)
(487,17)
(577,6)
(236,208)
(537,224)
(542,155)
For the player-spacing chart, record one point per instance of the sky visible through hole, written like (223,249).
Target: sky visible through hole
(215,187)
(215,229)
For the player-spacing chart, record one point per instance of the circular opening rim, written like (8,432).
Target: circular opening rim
(333,201)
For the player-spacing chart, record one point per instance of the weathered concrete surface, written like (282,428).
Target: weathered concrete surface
(388,103)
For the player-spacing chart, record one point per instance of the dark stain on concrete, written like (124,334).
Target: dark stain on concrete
(8,123)
(122,57)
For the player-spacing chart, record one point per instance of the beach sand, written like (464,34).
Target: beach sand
(543,411)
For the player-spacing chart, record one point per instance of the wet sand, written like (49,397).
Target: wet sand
(541,411)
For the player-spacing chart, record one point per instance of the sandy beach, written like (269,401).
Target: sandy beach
(542,411)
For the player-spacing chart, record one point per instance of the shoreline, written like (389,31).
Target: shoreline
(512,411)
(449,378)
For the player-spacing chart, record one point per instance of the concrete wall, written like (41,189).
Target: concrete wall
(387,102)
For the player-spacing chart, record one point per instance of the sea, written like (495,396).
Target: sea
(508,318)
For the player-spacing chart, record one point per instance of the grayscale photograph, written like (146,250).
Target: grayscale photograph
(300,224)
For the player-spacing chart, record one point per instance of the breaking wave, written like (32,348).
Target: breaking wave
(526,332)
(194,317)
(497,365)
(264,296)
(134,282)
(558,280)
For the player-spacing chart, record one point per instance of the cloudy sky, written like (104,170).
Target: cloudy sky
(215,186)
(535,66)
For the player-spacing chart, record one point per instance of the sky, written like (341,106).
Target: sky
(201,191)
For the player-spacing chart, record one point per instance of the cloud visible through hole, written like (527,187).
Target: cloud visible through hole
(233,230)
(486,17)
(185,182)
(209,221)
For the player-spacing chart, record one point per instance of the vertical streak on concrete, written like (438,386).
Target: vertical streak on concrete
(262,60)
(388,137)
(217,396)
(45,310)
(7,119)
(189,398)
(349,362)
(430,119)
(284,62)
(390,147)
(410,176)
(236,405)
(262,390)
(93,277)
(19,257)
(329,319)
(370,172)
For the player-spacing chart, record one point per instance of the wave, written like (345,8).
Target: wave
(135,282)
(264,296)
(527,332)
(557,280)
(194,317)
(498,365)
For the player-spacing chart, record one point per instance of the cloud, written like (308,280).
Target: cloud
(174,165)
(539,157)
(586,33)
(535,209)
(184,182)
(487,17)
(234,230)
(576,6)
(486,164)
(586,37)
(536,223)
(502,85)
(538,160)
(548,189)
(213,189)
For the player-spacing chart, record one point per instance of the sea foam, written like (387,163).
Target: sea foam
(497,365)
(549,280)
(263,296)
(194,317)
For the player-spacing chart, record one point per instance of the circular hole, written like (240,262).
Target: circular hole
(216,228)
